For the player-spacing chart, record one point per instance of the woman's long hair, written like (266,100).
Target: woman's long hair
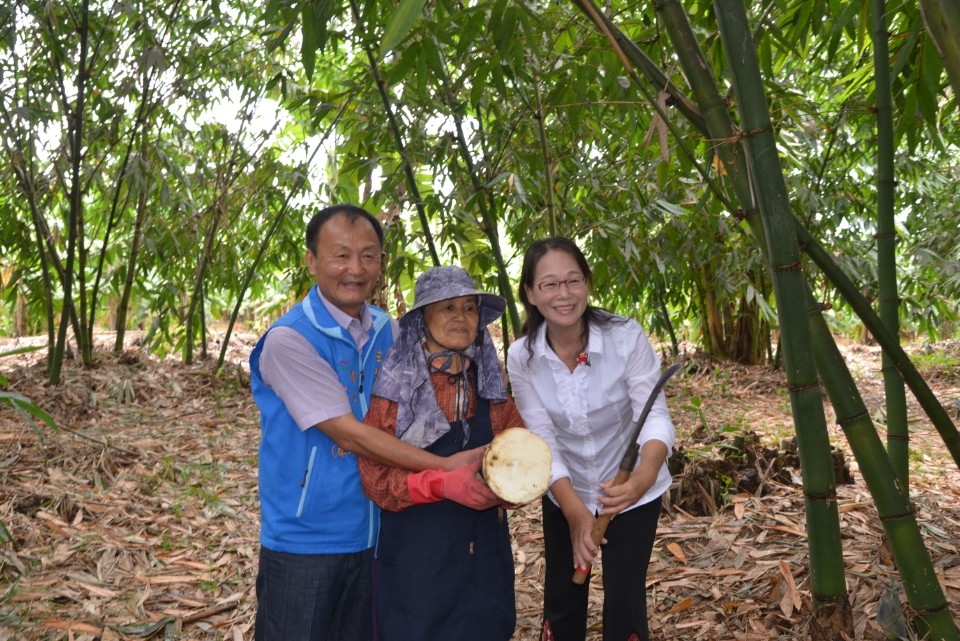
(534,319)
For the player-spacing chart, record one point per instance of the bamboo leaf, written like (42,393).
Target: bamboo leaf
(311,39)
(850,11)
(143,630)
(504,27)
(905,52)
(432,58)
(24,406)
(9,35)
(22,350)
(401,22)
(931,70)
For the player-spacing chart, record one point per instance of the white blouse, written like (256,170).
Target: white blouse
(586,416)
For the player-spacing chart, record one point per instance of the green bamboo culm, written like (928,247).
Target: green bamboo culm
(827,582)
(482,198)
(942,19)
(891,346)
(898,440)
(836,609)
(401,147)
(926,597)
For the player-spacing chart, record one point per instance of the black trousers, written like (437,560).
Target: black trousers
(626,556)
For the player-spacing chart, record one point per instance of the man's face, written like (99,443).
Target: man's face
(347,262)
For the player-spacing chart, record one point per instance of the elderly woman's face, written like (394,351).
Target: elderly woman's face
(452,323)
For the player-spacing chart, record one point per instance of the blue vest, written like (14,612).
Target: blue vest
(311,500)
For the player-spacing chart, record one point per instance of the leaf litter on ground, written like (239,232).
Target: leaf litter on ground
(138,518)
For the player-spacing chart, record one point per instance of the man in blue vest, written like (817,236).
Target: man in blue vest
(312,373)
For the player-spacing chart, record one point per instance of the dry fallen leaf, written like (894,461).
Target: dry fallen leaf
(677,551)
(145,506)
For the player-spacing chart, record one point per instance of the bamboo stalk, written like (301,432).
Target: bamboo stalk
(942,19)
(898,440)
(826,553)
(488,218)
(891,346)
(75,210)
(398,141)
(890,496)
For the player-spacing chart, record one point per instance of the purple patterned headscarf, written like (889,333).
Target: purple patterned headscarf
(405,375)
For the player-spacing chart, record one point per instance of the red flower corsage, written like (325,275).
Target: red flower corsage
(583,358)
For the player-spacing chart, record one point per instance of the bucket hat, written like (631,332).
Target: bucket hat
(446,282)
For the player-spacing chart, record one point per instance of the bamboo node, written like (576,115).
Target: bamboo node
(830,598)
(936,610)
(790,267)
(889,368)
(754,132)
(886,518)
(844,422)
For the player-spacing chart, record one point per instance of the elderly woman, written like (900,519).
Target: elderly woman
(444,568)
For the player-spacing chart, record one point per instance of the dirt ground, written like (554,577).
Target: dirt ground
(138,517)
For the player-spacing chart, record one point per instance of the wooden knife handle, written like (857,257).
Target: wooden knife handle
(600,529)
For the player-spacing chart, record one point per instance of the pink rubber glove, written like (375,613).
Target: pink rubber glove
(461,486)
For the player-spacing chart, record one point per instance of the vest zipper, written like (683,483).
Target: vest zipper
(305,484)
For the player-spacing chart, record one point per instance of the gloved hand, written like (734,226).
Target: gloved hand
(461,486)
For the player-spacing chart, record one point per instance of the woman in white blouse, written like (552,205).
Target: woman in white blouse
(580,378)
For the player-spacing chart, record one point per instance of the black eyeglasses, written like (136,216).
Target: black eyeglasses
(553,286)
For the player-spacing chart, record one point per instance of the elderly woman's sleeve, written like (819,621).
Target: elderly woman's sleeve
(505,415)
(386,486)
